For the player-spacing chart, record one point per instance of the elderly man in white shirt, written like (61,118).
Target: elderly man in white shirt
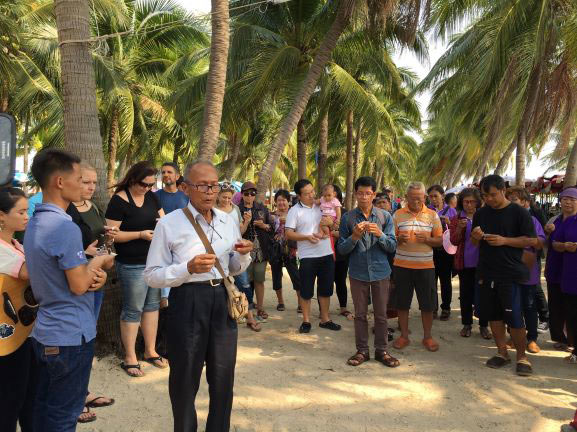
(199,328)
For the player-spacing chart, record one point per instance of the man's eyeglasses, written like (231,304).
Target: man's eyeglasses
(205,188)
(249,193)
(146,185)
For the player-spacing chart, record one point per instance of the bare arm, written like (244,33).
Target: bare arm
(83,278)
(520,242)
(124,236)
(23,273)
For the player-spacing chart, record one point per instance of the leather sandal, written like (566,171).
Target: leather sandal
(431,344)
(387,359)
(358,359)
(254,326)
(401,342)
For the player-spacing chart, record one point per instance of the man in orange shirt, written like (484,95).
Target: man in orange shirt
(418,230)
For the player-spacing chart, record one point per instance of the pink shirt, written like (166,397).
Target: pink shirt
(11,258)
(329,208)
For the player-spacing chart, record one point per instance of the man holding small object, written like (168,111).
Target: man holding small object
(200,329)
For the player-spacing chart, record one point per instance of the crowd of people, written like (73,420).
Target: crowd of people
(173,250)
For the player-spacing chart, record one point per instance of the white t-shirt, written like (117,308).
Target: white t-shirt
(305,220)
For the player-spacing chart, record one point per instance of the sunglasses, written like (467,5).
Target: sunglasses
(146,185)
(226,186)
(249,193)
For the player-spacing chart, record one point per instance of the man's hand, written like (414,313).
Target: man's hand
(373,228)
(92,250)
(495,240)
(99,279)
(403,237)
(549,228)
(246,217)
(477,233)
(462,224)
(570,247)
(202,263)
(358,230)
(146,235)
(243,247)
(101,261)
(312,239)
(422,237)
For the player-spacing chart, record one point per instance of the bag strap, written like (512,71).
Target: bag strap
(203,238)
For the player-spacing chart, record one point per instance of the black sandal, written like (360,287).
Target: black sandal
(485,333)
(524,368)
(387,359)
(153,360)
(498,361)
(358,359)
(466,331)
(280,307)
(94,404)
(125,368)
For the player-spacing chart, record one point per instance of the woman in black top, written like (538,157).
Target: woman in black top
(134,210)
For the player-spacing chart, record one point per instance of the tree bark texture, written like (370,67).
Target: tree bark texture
(177,147)
(26,142)
(350,163)
(323,152)
(571,172)
(233,152)
(302,150)
(216,83)
(289,123)
(504,161)
(112,148)
(455,169)
(81,126)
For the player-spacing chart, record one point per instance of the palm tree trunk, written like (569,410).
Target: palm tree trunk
(571,172)
(233,151)
(26,142)
(504,161)
(379,177)
(455,169)
(216,82)
(357,151)
(112,148)
(323,152)
(81,126)
(177,147)
(289,123)
(302,150)
(350,163)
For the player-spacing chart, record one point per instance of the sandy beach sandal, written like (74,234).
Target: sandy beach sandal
(104,402)
(83,418)
(280,307)
(254,326)
(431,344)
(262,314)
(401,343)
(157,362)
(387,359)
(485,333)
(524,368)
(498,361)
(348,315)
(126,368)
(466,331)
(358,359)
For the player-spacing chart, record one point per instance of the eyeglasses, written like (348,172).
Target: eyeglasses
(146,185)
(249,193)
(473,201)
(205,188)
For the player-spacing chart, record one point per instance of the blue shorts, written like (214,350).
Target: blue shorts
(137,296)
(501,301)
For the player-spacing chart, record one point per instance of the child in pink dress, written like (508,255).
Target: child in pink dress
(330,207)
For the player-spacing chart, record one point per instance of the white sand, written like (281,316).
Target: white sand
(291,382)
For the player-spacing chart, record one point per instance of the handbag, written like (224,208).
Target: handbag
(237,301)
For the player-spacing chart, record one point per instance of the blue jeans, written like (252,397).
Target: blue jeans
(530,312)
(242,282)
(98,297)
(63,374)
(137,297)
(164,292)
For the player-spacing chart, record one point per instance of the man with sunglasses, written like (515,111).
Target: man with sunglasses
(200,329)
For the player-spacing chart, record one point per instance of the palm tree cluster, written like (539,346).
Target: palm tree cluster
(152,70)
(508,82)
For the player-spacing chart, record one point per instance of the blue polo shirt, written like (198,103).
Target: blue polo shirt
(53,244)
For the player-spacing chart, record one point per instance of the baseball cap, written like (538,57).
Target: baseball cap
(248,186)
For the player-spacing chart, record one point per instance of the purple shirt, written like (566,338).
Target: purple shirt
(535,272)
(471,252)
(568,233)
(554,263)
(446,211)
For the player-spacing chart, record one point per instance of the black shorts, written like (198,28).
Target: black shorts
(323,270)
(501,301)
(420,280)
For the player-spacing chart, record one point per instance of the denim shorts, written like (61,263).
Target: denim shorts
(137,297)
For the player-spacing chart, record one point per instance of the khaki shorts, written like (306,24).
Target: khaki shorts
(257,271)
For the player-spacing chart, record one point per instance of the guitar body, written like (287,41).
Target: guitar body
(17,313)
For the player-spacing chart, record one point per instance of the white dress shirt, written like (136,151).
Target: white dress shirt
(305,220)
(175,242)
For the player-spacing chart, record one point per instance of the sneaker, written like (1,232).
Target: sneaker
(543,327)
(305,327)
(572,359)
(533,348)
(329,325)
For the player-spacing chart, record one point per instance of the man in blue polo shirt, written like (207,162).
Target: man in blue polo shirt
(63,282)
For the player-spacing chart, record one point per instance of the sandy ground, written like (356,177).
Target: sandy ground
(291,382)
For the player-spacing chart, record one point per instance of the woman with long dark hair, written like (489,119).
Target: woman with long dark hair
(134,210)
(342,265)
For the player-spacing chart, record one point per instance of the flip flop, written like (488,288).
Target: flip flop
(94,404)
(153,360)
(347,314)
(88,419)
(126,367)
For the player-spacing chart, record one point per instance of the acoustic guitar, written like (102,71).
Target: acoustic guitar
(18,310)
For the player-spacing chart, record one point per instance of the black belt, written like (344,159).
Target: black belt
(211,282)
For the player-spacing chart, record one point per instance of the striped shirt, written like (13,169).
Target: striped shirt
(414,255)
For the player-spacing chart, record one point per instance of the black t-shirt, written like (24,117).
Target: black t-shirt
(259,211)
(133,218)
(503,262)
(84,227)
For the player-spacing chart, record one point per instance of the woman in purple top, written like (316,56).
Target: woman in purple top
(443,261)
(466,258)
(565,242)
(553,272)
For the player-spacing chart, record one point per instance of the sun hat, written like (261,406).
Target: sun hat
(570,192)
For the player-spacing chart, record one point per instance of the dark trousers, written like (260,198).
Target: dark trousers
(443,272)
(290,263)
(530,311)
(18,389)
(467,296)
(379,291)
(541,304)
(63,374)
(341,270)
(557,315)
(571,314)
(200,331)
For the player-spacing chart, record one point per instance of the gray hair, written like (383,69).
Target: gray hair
(192,165)
(416,185)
